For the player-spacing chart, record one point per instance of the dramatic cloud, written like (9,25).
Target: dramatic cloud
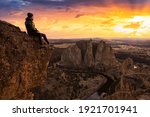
(16,4)
(85,2)
(82,18)
(12,4)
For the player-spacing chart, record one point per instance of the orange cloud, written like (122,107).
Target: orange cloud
(134,25)
(85,22)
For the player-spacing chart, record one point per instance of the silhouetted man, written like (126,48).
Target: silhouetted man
(32,31)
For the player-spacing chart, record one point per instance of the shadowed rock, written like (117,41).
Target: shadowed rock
(105,55)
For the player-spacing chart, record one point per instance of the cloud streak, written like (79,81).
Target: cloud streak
(65,3)
(81,18)
(86,2)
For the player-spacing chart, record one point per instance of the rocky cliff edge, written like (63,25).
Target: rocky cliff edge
(23,64)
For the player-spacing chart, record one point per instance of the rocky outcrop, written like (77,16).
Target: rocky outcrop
(104,55)
(134,83)
(71,57)
(86,48)
(89,55)
(127,65)
(23,63)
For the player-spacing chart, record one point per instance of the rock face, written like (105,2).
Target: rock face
(23,64)
(104,55)
(86,49)
(71,57)
(87,54)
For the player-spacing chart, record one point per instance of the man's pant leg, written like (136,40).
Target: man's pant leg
(45,38)
(39,37)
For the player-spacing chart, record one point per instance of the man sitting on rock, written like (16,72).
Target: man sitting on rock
(32,31)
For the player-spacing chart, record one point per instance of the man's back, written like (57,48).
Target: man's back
(30,26)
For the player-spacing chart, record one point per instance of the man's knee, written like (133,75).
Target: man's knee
(43,34)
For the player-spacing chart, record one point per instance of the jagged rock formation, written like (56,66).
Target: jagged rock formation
(105,55)
(87,54)
(23,64)
(134,83)
(126,66)
(74,78)
(86,49)
(71,57)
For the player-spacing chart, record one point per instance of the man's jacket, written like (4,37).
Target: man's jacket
(30,26)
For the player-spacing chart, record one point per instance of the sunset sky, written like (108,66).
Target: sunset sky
(108,19)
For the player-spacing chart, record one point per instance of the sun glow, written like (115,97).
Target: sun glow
(88,22)
(136,26)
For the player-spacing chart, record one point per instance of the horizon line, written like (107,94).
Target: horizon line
(99,38)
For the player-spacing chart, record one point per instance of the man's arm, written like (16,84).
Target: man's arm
(31,26)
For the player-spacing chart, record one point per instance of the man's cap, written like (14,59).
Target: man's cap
(29,14)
